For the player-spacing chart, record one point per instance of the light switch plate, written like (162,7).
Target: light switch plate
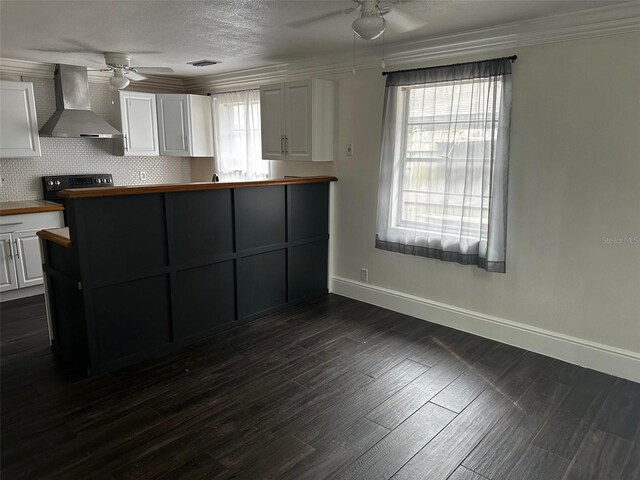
(143,175)
(349,149)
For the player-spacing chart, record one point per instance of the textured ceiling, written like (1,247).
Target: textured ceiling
(242,33)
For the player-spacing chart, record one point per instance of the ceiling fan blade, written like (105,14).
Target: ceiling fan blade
(153,70)
(400,21)
(322,17)
(66,50)
(135,76)
(398,2)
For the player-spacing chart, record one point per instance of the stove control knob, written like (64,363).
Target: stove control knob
(50,183)
(57,182)
(97,180)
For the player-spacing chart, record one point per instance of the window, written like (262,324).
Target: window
(440,158)
(444,164)
(238,151)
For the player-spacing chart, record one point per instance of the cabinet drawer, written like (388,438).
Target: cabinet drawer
(31,221)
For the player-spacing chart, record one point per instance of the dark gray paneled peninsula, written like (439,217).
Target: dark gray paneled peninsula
(143,270)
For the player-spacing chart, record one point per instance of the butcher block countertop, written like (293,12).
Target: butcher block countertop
(184,187)
(29,206)
(56,235)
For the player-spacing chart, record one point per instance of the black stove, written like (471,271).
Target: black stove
(51,185)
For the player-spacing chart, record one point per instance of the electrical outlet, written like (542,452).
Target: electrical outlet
(364,274)
(143,175)
(349,149)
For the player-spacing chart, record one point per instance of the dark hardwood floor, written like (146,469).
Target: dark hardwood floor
(331,389)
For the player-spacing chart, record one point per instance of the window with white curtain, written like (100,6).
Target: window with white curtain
(236,123)
(444,163)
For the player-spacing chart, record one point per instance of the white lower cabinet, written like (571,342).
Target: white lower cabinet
(28,258)
(20,257)
(8,278)
(21,260)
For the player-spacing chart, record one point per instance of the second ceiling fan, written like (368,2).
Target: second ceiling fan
(373,18)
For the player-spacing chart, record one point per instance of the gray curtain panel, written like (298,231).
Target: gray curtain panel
(445,163)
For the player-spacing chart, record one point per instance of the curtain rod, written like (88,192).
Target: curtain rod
(513,58)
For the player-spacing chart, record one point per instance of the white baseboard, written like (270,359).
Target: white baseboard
(604,358)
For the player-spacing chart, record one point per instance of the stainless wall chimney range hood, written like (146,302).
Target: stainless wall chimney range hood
(73,116)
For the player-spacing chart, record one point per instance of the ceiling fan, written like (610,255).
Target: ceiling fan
(123,72)
(372,19)
(118,63)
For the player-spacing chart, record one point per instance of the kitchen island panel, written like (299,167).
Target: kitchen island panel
(68,321)
(131,318)
(308,271)
(205,300)
(201,225)
(260,215)
(309,216)
(262,283)
(121,234)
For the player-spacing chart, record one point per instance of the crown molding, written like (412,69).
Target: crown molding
(590,23)
(10,68)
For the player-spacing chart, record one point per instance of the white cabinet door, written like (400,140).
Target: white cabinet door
(201,126)
(28,258)
(173,122)
(298,98)
(8,278)
(297,120)
(272,121)
(18,122)
(139,123)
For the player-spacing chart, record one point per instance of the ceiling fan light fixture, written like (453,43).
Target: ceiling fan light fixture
(369,27)
(118,80)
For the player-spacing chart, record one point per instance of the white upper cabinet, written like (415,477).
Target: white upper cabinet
(18,122)
(173,124)
(185,125)
(297,120)
(138,124)
(272,121)
(200,126)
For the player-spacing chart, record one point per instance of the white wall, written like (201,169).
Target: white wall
(20,177)
(574,180)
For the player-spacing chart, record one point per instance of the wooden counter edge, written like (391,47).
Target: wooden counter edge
(51,236)
(185,187)
(43,208)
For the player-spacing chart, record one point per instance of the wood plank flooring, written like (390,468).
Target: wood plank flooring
(332,389)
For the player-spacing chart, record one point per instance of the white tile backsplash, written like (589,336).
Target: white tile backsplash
(20,177)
